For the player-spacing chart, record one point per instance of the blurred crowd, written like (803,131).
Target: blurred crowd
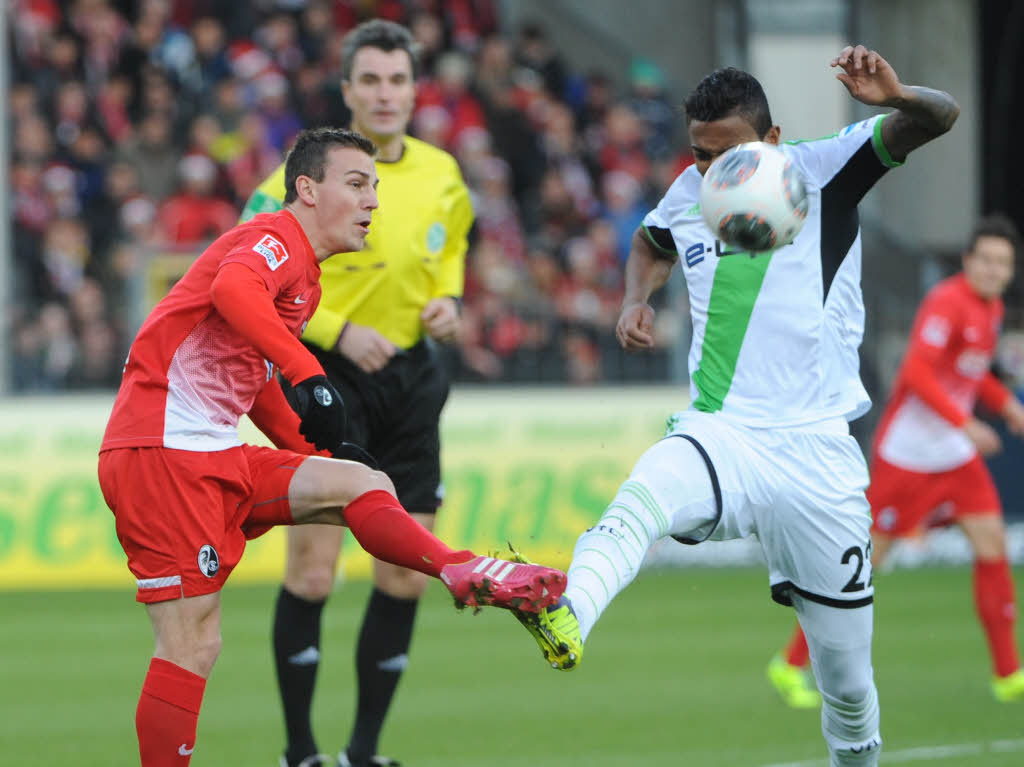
(139,129)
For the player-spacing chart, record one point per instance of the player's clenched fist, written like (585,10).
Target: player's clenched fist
(322,412)
(635,329)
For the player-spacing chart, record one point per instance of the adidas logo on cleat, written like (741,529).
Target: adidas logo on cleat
(495,569)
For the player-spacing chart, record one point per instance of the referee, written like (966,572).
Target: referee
(379,307)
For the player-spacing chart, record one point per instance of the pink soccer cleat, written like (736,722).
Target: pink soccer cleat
(500,583)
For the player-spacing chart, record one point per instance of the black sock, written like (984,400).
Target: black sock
(381,657)
(297,657)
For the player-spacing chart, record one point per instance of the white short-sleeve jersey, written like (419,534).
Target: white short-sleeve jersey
(776,335)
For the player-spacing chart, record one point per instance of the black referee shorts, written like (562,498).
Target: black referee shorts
(395,414)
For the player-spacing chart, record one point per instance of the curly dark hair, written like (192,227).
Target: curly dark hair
(308,157)
(726,92)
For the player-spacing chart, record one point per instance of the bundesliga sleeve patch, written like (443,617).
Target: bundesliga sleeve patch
(935,331)
(272,250)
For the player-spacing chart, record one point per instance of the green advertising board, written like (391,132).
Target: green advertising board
(533,467)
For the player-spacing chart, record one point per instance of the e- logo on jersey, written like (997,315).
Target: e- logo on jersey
(776,335)
(694,254)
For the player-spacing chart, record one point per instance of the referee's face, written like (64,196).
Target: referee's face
(380,93)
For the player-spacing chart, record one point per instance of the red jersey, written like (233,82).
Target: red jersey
(944,372)
(190,374)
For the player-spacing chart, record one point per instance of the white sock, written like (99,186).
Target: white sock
(840,645)
(607,557)
(668,492)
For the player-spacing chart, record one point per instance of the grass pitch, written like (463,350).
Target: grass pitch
(673,674)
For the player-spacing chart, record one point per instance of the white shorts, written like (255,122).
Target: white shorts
(799,490)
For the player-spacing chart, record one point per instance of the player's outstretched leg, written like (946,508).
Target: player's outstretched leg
(840,643)
(606,559)
(386,531)
(555,629)
(608,556)
(787,672)
(521,586)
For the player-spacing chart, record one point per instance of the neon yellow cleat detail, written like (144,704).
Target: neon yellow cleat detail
(557,632)
(554,628)
(1009,689)
(793,684)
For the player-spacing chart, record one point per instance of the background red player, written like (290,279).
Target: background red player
(926,463)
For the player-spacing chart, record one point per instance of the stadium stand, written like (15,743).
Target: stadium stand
(139,130)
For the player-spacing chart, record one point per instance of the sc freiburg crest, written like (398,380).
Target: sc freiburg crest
(209,562)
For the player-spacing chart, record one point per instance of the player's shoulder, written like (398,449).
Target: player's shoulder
(857,130)
(420,153)
(281,225)
(684,193)
(279,220)
(819,159)
(953,287)
(948,296)
(273,236)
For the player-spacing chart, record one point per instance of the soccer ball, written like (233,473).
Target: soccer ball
(753,198)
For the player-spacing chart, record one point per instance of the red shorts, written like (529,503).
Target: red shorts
(905,502)
(183,517)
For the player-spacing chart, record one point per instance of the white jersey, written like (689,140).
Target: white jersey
(775,335)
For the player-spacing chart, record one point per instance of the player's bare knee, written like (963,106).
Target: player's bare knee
(310,570)
(375,480)
(208,650)
(358,480)
(400,583)
(312,583)
(991,547)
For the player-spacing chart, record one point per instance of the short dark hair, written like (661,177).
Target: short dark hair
(378,33)
(726,92)
(308,157)
(995,225)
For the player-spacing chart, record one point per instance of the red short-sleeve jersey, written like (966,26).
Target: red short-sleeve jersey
(953,339)
(189,375)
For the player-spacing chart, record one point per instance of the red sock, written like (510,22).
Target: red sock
(167,714)
(796,651)
(997,608)
(385,530)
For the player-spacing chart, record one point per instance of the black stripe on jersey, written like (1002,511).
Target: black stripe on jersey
(717,488)
(782,593)
(662,240)
(839,200)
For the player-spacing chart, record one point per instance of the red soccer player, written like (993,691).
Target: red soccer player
(926,463)
(186,493)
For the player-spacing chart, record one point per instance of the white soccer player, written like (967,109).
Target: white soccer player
(764,447)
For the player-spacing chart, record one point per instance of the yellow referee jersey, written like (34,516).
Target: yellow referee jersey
(415,251)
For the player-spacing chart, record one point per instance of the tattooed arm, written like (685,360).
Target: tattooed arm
(921,115)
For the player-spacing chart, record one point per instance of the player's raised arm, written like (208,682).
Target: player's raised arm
(921,115)
(646,271)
